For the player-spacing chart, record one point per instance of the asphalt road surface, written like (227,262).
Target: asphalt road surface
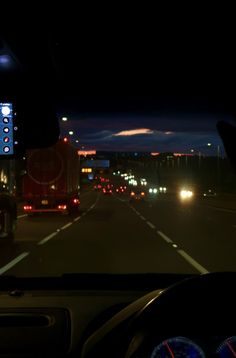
(112,235)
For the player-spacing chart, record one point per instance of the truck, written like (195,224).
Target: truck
(52,179)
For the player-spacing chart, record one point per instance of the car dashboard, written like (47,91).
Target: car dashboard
(185,316)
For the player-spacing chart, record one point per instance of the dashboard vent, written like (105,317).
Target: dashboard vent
(24,320)
(28,331)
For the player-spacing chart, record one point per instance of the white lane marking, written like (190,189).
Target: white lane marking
(47,238)
(192,262)
(13,262)
(166,238)
(221,209)
(21,216)
(91,207)
(151,225)
(142,217)
(66,226)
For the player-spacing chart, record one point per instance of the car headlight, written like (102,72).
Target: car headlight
(150,190)
(154,190)
(186,194)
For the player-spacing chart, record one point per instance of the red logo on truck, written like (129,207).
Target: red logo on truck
(45,166)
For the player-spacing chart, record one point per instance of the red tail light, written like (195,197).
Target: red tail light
(75,201)
(28,207)
(62,207)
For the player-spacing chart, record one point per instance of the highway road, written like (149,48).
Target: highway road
(110,235)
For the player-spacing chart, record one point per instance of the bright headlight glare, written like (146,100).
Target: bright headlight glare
(184,194)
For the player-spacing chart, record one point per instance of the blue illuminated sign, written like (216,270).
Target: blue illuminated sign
(6,129)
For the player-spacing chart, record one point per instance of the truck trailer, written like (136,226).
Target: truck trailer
(52,179)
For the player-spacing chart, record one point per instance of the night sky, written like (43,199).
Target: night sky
(145,133)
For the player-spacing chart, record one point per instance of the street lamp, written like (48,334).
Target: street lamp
(209,144)
(71,132)
(64,119)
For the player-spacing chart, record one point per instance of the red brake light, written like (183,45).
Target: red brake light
(28,207)
(75,201)
(62,207)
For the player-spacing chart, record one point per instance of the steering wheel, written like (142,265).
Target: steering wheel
(200,306)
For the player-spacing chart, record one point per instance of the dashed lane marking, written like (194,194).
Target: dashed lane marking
(192,262)
(166,238)
(47,238)
(13,262)
(66,226)
(150,225)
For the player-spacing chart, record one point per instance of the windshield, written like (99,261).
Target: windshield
(125,189)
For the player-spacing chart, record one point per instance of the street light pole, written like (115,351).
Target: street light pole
(218,166)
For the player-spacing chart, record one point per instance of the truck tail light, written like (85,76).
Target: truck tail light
(75,201)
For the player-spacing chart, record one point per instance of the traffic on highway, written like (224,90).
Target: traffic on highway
(118,222)
(117,186)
